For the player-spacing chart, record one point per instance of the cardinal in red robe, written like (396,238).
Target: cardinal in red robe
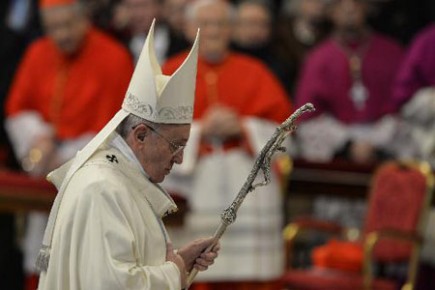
(238,105)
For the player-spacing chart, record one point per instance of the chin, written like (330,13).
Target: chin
(68,49)
(157,179)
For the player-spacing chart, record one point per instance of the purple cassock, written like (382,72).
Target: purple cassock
(331,74)
(418,68)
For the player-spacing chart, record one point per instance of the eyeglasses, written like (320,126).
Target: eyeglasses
(174,147)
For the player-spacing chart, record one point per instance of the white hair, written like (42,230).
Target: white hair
(264,4)
(130,122)
(194,6)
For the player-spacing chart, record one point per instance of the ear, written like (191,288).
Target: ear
(141,137)
(140,133)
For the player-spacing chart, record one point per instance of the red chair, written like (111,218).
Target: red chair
(399,199)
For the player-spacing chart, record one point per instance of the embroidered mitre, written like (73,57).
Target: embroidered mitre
(160,98)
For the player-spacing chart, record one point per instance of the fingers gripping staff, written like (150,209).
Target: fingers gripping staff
(263,163)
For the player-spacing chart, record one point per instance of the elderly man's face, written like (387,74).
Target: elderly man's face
(216,28)
(156,152)
(173,11)
(253,25)
(141,14)
(348,14)
(66,26)
(312,9)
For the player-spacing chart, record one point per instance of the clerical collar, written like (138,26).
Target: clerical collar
(214,59)
(119,143)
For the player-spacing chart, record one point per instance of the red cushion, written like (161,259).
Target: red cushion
(342,255)
(322,279)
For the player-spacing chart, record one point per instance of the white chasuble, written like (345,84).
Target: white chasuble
(108,233)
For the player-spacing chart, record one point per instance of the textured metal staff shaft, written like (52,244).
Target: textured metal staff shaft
(263,162)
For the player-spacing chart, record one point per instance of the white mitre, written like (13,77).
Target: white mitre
(152,96)
(160,98)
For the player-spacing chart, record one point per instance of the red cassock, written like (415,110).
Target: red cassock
(239,82)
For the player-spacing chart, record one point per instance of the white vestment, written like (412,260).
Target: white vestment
(108,233)
(251,248)
(321,137)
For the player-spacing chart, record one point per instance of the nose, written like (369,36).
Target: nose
(60,33)
(178,157)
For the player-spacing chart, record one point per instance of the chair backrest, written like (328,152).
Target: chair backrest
(399,200)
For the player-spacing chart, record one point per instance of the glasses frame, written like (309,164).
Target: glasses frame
(173,147)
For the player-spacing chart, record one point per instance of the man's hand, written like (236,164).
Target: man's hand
(221,122)
(178,260)
(194,257)
(362,152)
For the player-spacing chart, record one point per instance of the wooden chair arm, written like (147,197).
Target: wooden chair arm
(309,223)
(374,237)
